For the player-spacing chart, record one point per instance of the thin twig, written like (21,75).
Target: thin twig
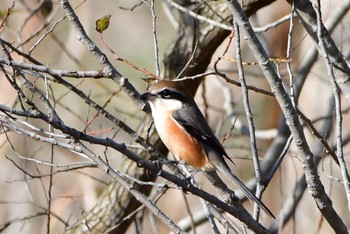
(250,120)
(155,38)
(274,24)
(7,15)
(199,17)
(289,48)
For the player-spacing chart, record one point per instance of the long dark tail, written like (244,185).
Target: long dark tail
(227,172)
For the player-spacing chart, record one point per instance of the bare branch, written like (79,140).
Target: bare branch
(312,178)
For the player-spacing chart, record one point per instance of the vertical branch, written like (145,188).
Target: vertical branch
(49,192)
(291,203)
(338,112)
(249,117)
(312,178)
(155,38)
(289,47)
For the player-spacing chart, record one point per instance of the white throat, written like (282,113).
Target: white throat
(165,105)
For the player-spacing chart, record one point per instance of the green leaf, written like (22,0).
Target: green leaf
(102,23)
(148,80)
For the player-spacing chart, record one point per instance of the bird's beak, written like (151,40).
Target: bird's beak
(144,105)
(147,97)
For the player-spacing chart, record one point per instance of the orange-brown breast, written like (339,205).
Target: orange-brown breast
(180,144)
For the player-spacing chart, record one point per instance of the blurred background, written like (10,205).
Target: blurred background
(43,32)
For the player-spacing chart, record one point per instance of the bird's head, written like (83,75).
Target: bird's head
(166,95)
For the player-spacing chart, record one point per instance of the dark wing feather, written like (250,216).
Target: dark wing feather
(199,128)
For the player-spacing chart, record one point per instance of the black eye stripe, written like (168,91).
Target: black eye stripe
(165,93)
(171,94)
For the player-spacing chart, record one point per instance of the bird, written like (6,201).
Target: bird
(185,132)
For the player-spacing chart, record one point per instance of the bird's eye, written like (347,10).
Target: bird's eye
(165,93)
